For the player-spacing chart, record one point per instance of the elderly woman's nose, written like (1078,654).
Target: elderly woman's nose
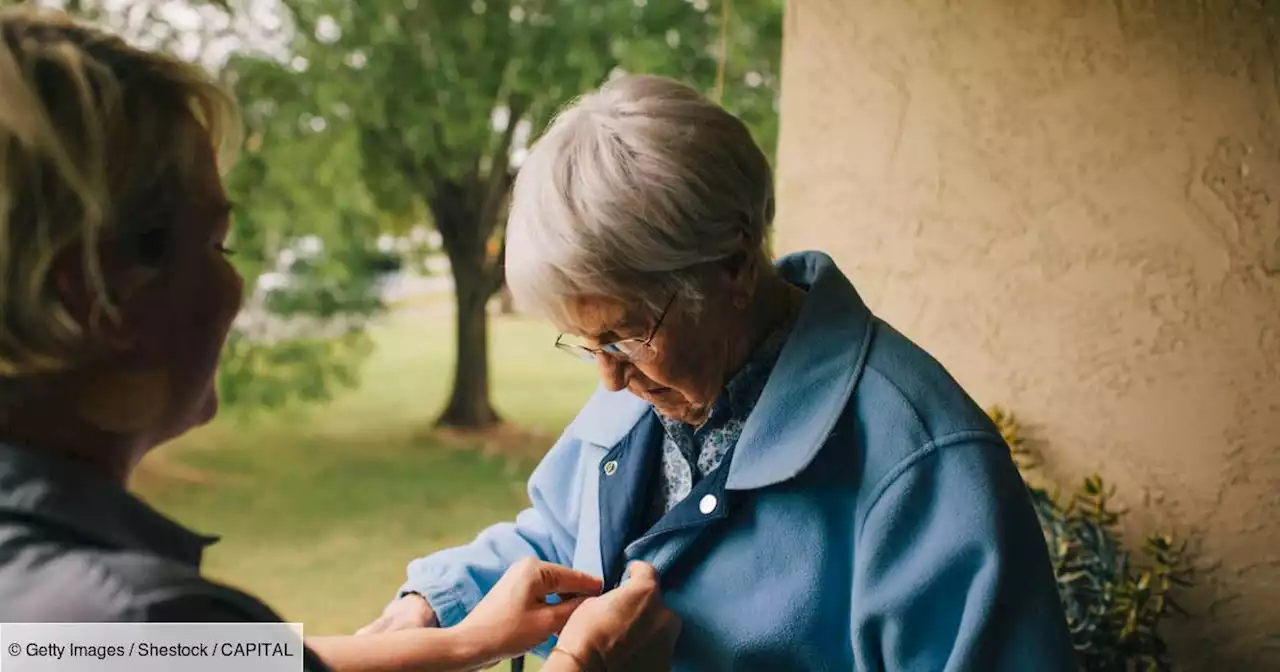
(612,372)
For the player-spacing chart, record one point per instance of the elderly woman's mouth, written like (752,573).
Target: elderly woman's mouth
(662,397)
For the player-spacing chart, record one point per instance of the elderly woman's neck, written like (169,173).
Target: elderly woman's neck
(775,303)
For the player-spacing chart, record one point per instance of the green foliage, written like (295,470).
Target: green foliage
(302,339)
(257,376)
(1114,601)
(434,88)
(377,116)
(429,102)
(301,336)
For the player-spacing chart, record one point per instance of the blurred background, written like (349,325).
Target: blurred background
(380,398)
(1072,203)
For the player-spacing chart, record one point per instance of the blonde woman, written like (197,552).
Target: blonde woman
(115,300)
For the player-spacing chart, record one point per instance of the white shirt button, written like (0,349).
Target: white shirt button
(708,504)
(610,468)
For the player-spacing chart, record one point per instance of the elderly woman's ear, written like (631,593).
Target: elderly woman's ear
(741,274)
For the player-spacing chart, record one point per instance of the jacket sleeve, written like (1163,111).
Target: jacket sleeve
(454,580)
(952,572)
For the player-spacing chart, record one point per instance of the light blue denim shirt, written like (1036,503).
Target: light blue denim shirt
(869,516)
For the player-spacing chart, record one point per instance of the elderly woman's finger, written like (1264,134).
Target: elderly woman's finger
(642,571)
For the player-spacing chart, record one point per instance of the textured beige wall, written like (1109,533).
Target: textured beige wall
(1075,205)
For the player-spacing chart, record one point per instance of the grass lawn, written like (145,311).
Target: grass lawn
(321,508)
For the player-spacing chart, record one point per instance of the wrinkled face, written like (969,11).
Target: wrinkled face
(690,354)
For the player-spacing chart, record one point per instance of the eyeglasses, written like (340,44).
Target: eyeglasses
(634,350)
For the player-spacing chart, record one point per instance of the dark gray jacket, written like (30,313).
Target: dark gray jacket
(75,547)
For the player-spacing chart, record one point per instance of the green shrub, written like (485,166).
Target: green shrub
(1115,600)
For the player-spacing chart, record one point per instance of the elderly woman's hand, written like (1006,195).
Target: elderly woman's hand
(627,629)
(406,613)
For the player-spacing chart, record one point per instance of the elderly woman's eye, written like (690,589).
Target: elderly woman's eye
(631,348)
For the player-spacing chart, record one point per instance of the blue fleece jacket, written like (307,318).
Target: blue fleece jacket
(870,516)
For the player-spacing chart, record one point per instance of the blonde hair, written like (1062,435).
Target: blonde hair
(630,194)
(91,146)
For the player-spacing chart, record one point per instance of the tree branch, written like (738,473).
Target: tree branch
(437,167)
(449,211)
(501,55)
(499,178)
(418,170)
(496,273)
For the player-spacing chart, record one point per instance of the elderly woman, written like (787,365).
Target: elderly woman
(815,490)
(115,299)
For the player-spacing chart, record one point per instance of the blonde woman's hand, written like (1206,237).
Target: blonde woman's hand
(516,617)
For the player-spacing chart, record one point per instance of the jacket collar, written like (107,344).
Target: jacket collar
(51,491)
(608,417)
(811,384)
(807,392)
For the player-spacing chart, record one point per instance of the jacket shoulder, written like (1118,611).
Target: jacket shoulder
(45,580)
(906,402)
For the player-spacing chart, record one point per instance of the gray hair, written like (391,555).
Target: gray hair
(631,191)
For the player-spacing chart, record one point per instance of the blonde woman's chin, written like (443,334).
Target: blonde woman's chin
(201,413)
(208,408)
(137,403)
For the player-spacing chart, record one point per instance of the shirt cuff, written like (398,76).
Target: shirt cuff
(451,601)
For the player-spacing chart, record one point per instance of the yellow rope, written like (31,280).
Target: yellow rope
(726,9)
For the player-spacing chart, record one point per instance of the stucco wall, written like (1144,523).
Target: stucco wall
(1075,205)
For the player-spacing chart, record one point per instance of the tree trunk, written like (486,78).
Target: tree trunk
(469,405)
(466,227)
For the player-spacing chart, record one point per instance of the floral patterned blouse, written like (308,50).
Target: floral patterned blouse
(688,453)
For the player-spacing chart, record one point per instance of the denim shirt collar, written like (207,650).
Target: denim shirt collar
(55,492)
(809,388)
